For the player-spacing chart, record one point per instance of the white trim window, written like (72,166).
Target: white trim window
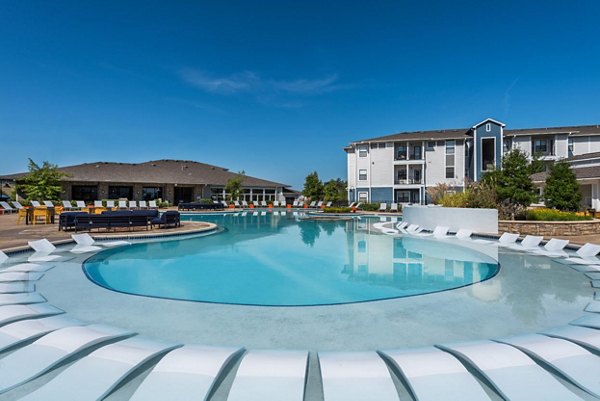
(488,127)
(363,196)
(363,151)
(362,174)
(450,149)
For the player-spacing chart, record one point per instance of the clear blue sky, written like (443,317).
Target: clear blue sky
(278,88)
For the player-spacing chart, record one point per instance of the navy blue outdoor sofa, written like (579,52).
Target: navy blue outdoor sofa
(110,220)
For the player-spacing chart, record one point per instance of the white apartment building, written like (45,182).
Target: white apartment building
(400,167)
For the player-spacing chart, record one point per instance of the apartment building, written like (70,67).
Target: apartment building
(400,167)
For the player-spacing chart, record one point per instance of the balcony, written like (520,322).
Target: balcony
(408,181)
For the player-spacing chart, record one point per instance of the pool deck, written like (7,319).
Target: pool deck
(15,236)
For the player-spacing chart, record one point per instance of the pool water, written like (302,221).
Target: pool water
(289,260)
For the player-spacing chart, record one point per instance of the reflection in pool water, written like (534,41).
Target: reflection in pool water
(285,260)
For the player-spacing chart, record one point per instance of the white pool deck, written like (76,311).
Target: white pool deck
(366,351)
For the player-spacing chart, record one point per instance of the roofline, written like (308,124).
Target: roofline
(488,120)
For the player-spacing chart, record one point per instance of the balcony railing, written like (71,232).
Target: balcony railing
(410,157)
(408,181)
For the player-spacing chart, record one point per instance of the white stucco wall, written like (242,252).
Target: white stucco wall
(477,220)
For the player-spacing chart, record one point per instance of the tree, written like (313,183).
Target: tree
(313,187)
(562,190)
(513,184)
(336,191)
(42,183)
(233,186)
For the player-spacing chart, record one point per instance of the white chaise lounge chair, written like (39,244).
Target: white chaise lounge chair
(21,299)
(48,203)
(110,204)
(245,204)
(67,206)
(35,203)
(143,204)
(463,234)
(97,374)
(123,205)
(394,207)
(43,248)
(26,330)
(574,362)
(356,376)
(438,232)
(17,205)
(434,375)
(414,229)
(12,313)
(554,248)
(17,287)
(382,207)
(7,208)
(529,243)
(42,355)
(270,376)
(98,203)
(583,336)
(510,372)
(504,240)
(133,205)
(185,374)
(3,257)
(80,204)
(89,244)
(152,204)
(275,203)
(586,255)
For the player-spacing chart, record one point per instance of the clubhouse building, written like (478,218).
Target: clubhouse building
(400,167)
(172,180)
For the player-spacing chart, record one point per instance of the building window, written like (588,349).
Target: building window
(488,154)
(488,127)
(415,153)
(570,145)
(401,151)
(362,174)
(430,145)
(381,145)
(117,192)
(373,146)
(363,196)
(450,149)
(402,175)
(86,193)
(151,193)
(543,146)
(362,151)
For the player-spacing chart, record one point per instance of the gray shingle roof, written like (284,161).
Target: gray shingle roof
(581,173)
(584,156)
(573,130)
(183,172)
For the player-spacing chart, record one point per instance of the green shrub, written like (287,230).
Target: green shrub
(369,207)
(458,199)
(337,210)
(553,215)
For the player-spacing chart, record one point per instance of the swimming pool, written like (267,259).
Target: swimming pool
(529,293)
(290,260)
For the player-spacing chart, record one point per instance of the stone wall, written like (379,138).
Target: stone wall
(550,228)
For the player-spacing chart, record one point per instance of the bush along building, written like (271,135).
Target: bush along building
(400,167)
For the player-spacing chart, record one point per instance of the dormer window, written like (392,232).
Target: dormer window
(488,127)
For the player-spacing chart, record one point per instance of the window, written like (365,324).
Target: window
(450,149)
(116,192)
(363,196)
(415,154)
(488,154)
(381,145)
(373,146)
(403,196)
(430,145)
(543,146)
(417,176)
(362,174)
(362,246)
(86,193)
(401,174)
(362,151)
(488,127)
(401,151)
(570,145)
(151,193)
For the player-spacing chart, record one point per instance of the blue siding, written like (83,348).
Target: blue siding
(481,133)
(382,195)
(352,195)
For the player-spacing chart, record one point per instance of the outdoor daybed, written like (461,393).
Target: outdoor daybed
(117,219)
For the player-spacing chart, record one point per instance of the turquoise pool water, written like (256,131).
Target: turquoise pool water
(286,260)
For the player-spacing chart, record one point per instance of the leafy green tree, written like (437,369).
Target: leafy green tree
(562,190)
(313,187)
(335,190)
(536,165)
(513,184)
(233,186)
(42,183)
